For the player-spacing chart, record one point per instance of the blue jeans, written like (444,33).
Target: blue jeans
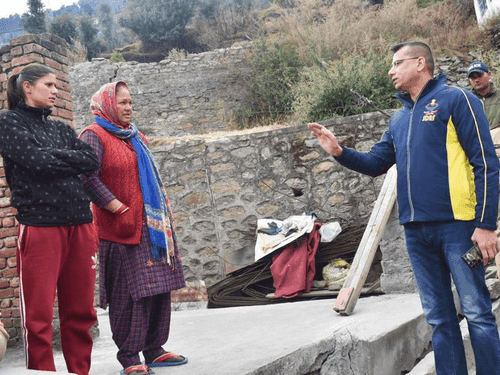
(435,251)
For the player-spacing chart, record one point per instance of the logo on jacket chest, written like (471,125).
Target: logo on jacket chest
(431,111)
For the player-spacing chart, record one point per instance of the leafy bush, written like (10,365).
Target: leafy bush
(116,57)
(276,71)
(324,90)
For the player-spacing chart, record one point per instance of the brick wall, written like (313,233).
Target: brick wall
(52,51)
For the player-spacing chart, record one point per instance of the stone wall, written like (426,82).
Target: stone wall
(220,188)
(189,95)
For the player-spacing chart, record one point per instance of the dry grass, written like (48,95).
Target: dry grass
(346,27)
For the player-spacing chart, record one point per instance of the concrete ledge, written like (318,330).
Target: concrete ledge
(384,336)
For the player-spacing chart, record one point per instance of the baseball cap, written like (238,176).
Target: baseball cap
(477,66)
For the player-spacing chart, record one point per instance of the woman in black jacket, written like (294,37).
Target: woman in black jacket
(57,243)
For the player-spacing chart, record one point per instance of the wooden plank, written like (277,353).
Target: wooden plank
(367,248)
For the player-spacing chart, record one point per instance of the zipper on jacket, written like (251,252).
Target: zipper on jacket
(410,202)
(410,126)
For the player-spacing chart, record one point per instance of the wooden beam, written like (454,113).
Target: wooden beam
(349,294)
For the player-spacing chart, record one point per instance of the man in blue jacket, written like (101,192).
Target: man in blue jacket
(447,197)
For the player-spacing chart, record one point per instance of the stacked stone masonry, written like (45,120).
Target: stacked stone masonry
(218,188)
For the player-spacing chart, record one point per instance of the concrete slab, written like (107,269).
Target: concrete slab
(383,336)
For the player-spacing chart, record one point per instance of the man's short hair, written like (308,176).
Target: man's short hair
(477,67)
(419,49)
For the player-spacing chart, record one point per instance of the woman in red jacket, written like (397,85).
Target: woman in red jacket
(139,261)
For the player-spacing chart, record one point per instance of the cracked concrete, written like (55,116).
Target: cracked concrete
(384,336)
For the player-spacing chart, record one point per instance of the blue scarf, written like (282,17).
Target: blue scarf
(151,186)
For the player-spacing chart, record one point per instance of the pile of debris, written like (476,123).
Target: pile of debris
(255,285)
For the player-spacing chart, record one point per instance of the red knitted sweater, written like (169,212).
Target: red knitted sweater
(120,174)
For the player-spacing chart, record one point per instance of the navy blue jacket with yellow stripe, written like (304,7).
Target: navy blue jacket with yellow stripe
(445,158)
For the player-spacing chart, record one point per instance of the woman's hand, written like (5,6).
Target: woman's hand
(115,206)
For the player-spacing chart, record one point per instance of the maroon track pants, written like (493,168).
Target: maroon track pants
(62,259)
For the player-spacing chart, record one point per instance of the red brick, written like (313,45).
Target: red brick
(6,253)
(53,64)
(10,272)
(10,242)
(68,106)
(60,103)
(3,263)
(62,76)
(3,77)
(14,283)
(4,283)
(6,313)
(5,303)
(11,262)
(7,211)
(64,113)
(3,95)
(27,59)
(16,313)
(36,48)
(65,96)
(6,293)
(16,51)
(16,302)
(8,222)
(7,232)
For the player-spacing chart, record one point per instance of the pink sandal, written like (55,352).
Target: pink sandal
(136,370)
(168,359)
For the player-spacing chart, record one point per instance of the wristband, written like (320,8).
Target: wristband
(120,210)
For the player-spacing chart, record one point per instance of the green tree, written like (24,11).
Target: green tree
(106,24)
(34,19)
(276,71)
(65,27)
(88,35)
(158,22)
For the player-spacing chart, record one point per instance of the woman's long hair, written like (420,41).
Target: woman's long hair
(31,74)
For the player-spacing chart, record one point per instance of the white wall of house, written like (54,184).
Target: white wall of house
(486,9)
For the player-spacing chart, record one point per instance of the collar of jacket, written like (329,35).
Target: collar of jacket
(37,113)
(490,93)
(431,84)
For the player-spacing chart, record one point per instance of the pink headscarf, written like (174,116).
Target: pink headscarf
(103,103)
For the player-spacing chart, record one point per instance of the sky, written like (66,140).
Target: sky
(10,7)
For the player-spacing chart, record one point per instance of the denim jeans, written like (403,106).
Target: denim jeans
(435,251)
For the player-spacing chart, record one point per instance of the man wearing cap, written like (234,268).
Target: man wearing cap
(484,89)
